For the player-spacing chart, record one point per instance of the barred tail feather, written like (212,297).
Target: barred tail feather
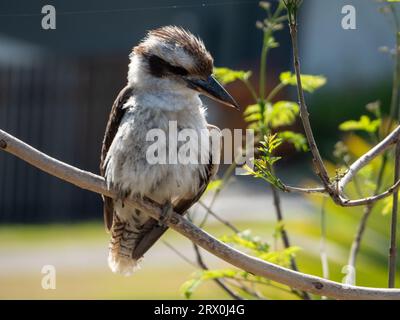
(124,237)
(122,265)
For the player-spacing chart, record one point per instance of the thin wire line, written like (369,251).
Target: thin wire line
(105,11)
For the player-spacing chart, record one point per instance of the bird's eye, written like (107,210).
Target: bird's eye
(159,67)
(178,70)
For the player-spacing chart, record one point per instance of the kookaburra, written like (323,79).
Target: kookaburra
(168,71)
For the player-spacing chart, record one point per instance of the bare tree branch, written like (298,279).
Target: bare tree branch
(94,183)
(304,190)
(340,199)
(361,162)
(318,162)
(335,193)
(369,200)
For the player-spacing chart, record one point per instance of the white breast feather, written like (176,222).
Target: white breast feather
(126,165)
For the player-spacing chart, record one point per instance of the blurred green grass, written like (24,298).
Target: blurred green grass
(161,279)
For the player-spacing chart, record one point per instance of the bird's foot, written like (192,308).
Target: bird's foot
(166,213)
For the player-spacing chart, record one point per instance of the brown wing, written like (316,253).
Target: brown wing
(181,206)
(117,112)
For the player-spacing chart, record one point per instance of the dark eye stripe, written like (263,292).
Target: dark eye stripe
(177,70)
(159,67)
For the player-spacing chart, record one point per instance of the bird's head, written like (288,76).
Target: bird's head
(171,58)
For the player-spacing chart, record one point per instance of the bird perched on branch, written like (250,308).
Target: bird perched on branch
(167,72)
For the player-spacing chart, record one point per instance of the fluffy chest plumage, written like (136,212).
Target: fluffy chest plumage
(140,136)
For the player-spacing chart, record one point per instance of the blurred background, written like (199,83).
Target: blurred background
(57,88)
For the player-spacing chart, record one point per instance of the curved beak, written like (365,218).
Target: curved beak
(214,90)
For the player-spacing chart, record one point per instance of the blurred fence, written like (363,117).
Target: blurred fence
(59,106)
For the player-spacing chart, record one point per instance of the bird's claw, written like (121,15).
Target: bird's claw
(166,213)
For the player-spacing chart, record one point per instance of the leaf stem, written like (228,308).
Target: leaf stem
(275,91)
(251,89)
(263,68)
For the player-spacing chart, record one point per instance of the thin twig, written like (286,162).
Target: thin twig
(372,199)
(219,282)
(345,202)
(201,263)
(355,246)
(193,264)
(390,140)
(275,91)
(335,194)
(250,291)
(285,236)
(304,190)
(180,254)
(323,253)
(393,229)
(224,181)
(94,183)
(396,73)
(318,162)
(219,218)
(268,32)
(395,107)
(251,89)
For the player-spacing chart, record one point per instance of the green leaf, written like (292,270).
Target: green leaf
(253,117)
(226,75)
(188,287)
(364,124)
(298,140)
(213,185)
(246,240)
(281,258)
(282,113)
(254,108)
(271,43)
(310,82)
(247,171)
(219,273)
(262,166)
